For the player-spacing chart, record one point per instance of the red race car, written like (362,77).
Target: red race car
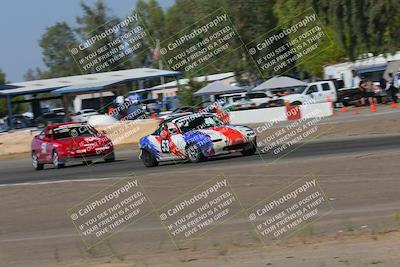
(60,143)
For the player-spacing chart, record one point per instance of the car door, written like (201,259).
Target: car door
(37,146)
(43,146)
(171,142)
(47,145)
(328,92)
(315,92)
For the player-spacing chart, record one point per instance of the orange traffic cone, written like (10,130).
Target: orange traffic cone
(372,107)
(393,104)
(344,109)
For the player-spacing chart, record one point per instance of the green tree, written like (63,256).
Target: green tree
(185,92)
(56,55)
(153,22)
(363,26)
(327,52)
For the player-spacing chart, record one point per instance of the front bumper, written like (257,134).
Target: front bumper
(85,156)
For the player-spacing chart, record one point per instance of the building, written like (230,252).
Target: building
(83,87)
(372,68)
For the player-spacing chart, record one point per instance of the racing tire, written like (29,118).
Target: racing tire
(35,162)
(148,159)
(194,153)
(249,151)
(110,157)
(55,160)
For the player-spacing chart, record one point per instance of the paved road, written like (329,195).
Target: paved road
(20,170)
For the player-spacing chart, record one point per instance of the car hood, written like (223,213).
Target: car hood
(83,141)
(231,134)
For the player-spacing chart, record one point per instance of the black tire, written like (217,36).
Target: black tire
(194,153)
(35,162)
(296,103)
(250,150)
(56,163)
(110,157)
(148,159)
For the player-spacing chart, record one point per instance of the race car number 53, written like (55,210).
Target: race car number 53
(165,146)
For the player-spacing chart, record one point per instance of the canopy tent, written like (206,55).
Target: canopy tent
(217,88)
(279,82)
(88,87)
(392,67)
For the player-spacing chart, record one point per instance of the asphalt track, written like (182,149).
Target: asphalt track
(127,161)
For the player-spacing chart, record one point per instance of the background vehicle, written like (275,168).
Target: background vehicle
(195,137)
(151,105)
(3,127)
(84,114)
(316,92)
(237,102)
(19,121)
(50,118)
(60,143)
(59,111)
(179,111)
(260,98)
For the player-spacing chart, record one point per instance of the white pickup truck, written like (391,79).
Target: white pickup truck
(315,92)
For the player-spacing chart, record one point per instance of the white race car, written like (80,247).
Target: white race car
(195,137)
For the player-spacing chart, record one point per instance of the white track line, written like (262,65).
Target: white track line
(60,181)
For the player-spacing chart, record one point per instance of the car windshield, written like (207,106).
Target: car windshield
(196,122)
(67,131)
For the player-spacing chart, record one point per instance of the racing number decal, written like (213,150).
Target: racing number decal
(164,146)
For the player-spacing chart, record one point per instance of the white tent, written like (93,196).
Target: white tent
(217,88)
(279,82)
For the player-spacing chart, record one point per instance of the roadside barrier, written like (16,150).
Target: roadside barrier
(276,114)
(293,112)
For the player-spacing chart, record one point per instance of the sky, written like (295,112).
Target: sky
(23,22)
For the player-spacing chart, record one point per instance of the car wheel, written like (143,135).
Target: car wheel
(110,157)
(296,103)
(148,159)
(56,160)
(194,153)
(35,162)
(249,150)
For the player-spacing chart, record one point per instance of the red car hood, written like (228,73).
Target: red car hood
(81,142)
